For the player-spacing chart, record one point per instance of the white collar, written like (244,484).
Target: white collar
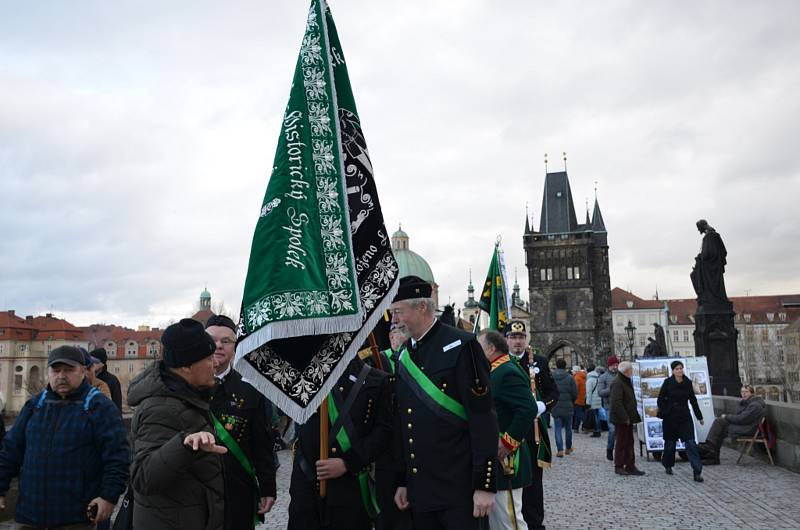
(415,341)
(224,374)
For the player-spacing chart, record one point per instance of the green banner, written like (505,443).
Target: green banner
(321,271)
(494,299)
(301,276)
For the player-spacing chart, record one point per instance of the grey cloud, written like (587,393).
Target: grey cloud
(137,138)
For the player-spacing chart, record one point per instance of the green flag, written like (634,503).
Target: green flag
(321,270)
(494,296)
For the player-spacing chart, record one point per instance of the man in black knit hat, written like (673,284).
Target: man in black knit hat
(107,377)
(177,476)
(242,423)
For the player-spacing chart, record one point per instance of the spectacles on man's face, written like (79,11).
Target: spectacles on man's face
(226,341)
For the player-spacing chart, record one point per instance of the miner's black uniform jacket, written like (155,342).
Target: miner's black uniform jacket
(245,414)
(343,508)
(388,464)
(446,461)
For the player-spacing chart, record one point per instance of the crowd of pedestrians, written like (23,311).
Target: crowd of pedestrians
(456,427)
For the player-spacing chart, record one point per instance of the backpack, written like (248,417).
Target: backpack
(87,401)
(769,435)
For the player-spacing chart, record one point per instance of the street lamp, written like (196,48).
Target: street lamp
(630,330)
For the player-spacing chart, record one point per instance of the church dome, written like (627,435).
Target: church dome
(205,295)
(410,263)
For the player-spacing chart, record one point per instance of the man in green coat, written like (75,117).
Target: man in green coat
(516,410)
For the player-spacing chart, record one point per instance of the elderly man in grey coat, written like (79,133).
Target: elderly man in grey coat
(604,390)
(752,410)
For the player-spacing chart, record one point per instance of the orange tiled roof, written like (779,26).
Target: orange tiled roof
(621,297)
(758,307)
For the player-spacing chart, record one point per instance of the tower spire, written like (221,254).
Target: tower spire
(598,225)
(527,220)
(564,155)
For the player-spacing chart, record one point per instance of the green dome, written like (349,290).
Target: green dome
(205,295)
(412,264)
(400,233)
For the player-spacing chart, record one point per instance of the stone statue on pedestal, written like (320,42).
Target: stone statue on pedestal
(715,333)
(709,268)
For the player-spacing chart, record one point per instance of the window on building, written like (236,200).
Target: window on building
(130,368)
(770,316)
(549,274)
(765,335)
(153,350)
(2,349)
(555,274)
(780,355)
(22,348)
(779,336)
(675,335)
(641,340)
(685,335)
(577,273)
(561,317)
(18,384)
(542,274)
(747,317)
(116,369)
(570,271)
(782,317)
(131,349)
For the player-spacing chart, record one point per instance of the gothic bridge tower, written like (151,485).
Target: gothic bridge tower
(568,278)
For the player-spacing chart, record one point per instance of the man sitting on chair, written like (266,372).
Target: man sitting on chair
(752,410)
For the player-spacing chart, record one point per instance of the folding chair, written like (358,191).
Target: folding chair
(746,444)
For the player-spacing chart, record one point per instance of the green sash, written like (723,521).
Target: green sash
(367,492)
(236,451)
(430,389)
(388,354)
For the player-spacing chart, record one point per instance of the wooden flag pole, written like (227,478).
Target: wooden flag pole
(376,354)
(323,442)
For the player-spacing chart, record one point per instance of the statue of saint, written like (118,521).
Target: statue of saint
(709,268)
(661,339)
(651,349)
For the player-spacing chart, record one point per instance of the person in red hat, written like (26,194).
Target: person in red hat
(604,390)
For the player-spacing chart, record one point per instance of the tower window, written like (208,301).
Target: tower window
(577,273)
(570,271)
(542,274)
(549,274)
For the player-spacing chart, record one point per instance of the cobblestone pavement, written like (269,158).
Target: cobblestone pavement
(582,491)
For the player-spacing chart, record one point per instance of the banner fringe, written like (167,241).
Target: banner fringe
(286,329)
(286,404)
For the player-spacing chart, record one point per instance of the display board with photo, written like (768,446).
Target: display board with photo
(651,375)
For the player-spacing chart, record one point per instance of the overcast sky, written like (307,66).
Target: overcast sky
(136,139)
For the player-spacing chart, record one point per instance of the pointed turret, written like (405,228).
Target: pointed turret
(558,208)
(515,299)
(597,218)
(527,224)
(470,293)
(588,221)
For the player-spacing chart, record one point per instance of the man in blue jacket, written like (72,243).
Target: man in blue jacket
(69,448)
